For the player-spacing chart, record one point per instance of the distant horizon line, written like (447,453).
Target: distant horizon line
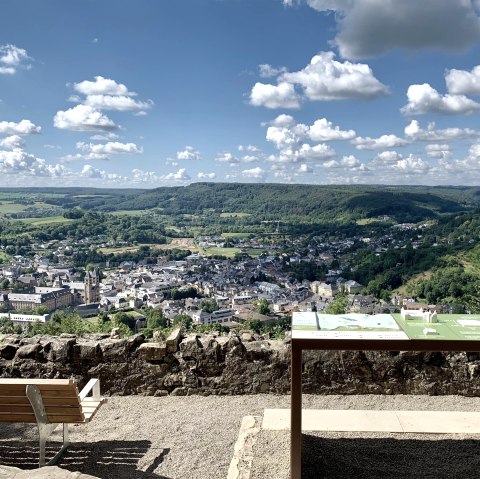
(333,185)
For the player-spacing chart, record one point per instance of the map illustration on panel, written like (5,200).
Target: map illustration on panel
(346,326)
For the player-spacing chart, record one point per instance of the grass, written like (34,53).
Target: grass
(366,221)
(228,252)
(129,212)
(231,252)
(172,228)
(44,221)
(7,207)
(90,196)
(237,235)
(177,243)
(403,290)
(255,251)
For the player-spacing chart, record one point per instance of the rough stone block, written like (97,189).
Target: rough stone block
(8,351)
(174,340)
(29,351)
(152,351)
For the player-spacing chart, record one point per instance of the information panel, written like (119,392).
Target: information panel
(311,325)
(440,326)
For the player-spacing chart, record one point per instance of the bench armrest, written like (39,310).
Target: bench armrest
(92,385)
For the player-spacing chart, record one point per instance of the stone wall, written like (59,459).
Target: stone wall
(233,364)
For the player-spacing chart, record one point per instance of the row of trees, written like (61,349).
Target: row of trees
(71,322)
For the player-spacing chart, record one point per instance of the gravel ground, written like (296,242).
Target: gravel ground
(193,438)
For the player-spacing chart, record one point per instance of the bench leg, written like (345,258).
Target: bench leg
(45,428)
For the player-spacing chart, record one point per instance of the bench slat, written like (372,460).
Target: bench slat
(55,401)
(49,393)
(8,389)
(36,382)
(52,409)
(60,397)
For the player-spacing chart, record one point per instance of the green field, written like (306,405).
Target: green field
(231,252)
(7,207)
(237,235)
(366,221)
(44,221)
(130,212)
(228,252)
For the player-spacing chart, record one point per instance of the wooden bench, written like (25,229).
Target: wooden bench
(48,403)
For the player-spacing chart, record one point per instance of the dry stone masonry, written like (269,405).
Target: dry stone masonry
(242,363)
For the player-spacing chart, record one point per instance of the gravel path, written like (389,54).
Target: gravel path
(193,437)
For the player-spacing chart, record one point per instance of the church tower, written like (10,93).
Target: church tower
(92,287)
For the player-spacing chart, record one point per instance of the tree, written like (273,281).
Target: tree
(123,318)
(253,325)
(338,305)
(209,305)
(262,306)
(156,319)
(183,320)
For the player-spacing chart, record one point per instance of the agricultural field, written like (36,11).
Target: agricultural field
(8,207)
(228,252)
(44,221)
(237,235)
(231,252)
(130,212)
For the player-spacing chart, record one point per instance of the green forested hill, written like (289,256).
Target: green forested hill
(293,204)
(302,202)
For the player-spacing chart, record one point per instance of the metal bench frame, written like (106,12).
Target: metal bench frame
(46,428)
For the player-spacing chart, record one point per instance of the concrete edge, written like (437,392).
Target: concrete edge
(243,450)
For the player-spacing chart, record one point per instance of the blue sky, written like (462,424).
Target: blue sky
(158,93)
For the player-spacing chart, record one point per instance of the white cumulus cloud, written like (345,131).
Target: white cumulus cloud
(416,133)
(12,142)
(102,86)
(324,78)
(21,163)
(189,153)
(384,141)
(324,130)
(180,175)
(461,82)
(439,151)
(304,168)
(227,158)
(141,176)
(282,95)
(257,173)
(350,161)
(328,79)
(206,176)
(110,148)
(12,58)
(91,172)
(23,127)
(120,103)
(83,118)
(425,99)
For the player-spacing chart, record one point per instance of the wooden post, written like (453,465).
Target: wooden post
(296,413)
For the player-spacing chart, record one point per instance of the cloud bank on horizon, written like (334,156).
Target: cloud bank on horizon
(368,91)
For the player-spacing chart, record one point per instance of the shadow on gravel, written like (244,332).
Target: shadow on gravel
(388,458)
(102,459)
